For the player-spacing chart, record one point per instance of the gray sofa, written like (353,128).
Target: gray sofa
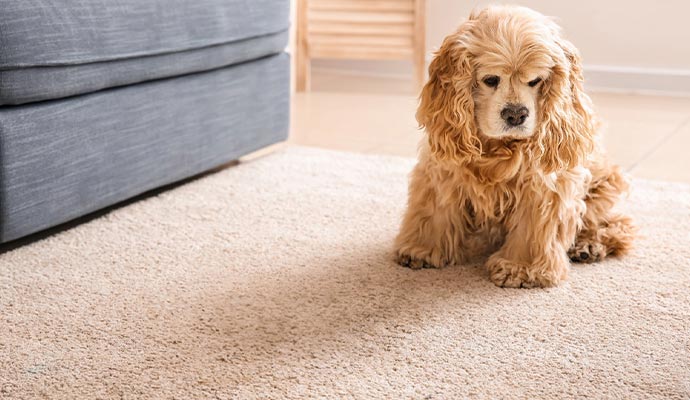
(102,100)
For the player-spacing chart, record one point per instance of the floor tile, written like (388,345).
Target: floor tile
(670,161)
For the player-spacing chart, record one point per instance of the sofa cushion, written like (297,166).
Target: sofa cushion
(95,44)
(65,158)
(31,84)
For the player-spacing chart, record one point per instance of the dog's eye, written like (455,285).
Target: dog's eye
(534,82)
(491,81)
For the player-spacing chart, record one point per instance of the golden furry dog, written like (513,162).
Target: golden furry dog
(511,167)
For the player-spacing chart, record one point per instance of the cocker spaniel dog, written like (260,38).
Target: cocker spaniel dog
(511,167)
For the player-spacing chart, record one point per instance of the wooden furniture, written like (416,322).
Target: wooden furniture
(359,29)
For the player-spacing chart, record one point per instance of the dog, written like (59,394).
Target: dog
(511,166)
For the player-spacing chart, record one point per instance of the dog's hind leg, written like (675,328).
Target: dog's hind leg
(603,232)
(612,236)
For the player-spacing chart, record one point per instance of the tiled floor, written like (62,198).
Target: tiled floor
(647,135)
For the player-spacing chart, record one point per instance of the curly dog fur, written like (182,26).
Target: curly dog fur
(531,190)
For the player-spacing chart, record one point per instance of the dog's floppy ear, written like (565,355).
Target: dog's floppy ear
(446,106)
(566,133)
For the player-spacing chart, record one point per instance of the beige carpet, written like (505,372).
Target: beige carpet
(273,279)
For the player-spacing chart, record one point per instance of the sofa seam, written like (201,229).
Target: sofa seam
(138,55)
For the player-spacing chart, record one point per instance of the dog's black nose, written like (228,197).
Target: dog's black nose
(514,114)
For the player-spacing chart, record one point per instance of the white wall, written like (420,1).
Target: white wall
(632,34)
(626,45)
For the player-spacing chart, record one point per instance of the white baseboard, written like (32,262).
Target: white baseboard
(598,78)
(658,81)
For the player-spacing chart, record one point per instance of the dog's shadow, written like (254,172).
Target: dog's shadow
(323,308)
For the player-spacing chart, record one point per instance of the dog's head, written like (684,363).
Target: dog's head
(507,75)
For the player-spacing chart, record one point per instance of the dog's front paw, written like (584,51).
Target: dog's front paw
(411,262)
(510,274)
(505,274)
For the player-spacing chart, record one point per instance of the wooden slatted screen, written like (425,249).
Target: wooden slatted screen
(359,29)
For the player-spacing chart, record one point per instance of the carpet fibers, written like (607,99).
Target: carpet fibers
(274,279)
